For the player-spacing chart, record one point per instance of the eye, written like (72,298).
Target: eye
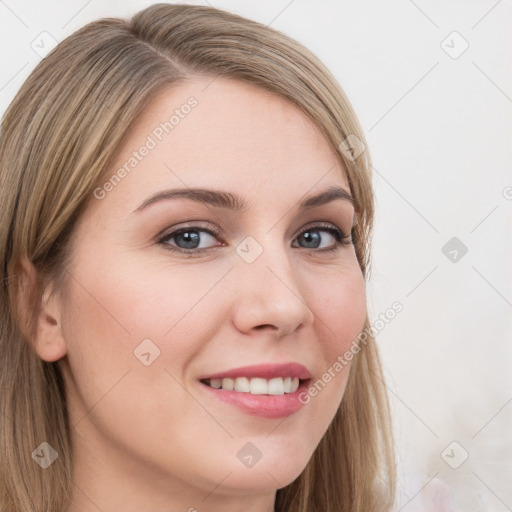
(192,240)
(313,238)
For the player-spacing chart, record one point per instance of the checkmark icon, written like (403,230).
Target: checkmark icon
(249,455)
(454,45)
(454,249)
(352,147)
(43,44)
(249,249)
(455,455)
(146,352)
(45,455)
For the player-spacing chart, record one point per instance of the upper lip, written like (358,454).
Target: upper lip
(265,371)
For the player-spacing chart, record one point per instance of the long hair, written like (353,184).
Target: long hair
(57,139)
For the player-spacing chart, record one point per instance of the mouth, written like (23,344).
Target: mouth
(268,391)
(256,385)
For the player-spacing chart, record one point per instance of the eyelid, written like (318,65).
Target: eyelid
(319,225)
(190,225)
(218,232)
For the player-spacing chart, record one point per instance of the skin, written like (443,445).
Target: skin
(150,437)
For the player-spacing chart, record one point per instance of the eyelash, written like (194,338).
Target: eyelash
(342,239)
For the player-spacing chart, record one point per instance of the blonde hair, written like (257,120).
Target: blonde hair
(57,139)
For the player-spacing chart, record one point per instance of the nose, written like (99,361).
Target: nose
(270,295)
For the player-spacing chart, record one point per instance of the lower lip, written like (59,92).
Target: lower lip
(265,406)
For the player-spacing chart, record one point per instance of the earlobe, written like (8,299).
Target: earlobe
(44,331)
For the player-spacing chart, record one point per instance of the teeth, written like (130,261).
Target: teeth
(242,385)
(227,384)
(257,385)
(276,386)
(216,383)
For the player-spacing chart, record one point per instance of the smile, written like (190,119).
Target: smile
(267,390)
(256,385)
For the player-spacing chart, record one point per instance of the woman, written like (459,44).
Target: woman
(187,212)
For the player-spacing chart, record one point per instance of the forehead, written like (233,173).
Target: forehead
(224,134)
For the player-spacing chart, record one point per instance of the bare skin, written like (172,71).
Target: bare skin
(152,437)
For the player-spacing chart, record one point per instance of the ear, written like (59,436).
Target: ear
(41,314)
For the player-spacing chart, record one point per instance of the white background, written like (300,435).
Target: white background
(439,130)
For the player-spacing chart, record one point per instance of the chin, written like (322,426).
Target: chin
(276,467)
(263,479)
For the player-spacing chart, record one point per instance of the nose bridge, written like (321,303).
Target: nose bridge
(264,259)
(270,291)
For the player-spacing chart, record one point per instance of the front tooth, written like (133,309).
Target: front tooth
(259,386)
(228,384)
(216,383)
(295,385)
(242,385)
(276,386)
(287,384)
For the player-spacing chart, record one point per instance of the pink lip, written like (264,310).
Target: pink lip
(265,406)
(264,371)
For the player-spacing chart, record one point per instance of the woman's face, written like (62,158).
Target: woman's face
(266,292)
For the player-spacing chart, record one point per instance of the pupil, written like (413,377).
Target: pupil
(191,239)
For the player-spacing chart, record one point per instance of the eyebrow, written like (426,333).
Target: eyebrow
(232,201)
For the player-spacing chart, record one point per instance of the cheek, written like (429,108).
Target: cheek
(110,324)
(339,305)
(340,312)
(135,308)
